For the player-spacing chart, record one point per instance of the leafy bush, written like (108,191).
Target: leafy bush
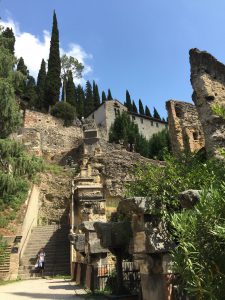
(125,130)
(65,111)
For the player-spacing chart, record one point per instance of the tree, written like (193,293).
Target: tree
(134,107)
(89,101)
(22,68)
(9,39)
(141,108)
(70,66)
(128,103)
(80,101)
(156,114)
(147,112)
(103,97)
(159,145)
(30,93)
(41,84)
(65,111)
(10,117)
(70,90)
(53,80)
(109,96)
(96,95)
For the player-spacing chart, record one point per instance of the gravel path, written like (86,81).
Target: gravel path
(42,289)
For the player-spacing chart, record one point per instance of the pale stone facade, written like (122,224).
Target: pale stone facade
(106,113)
(184,127)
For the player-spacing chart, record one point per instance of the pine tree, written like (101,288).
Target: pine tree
(41,84)
(109,96)
(147,112)
(70,90)
(128,102)
(89,101)
(9,39)
(53,81)
(134,107)
(103,97)
(156,114)
(141,108)
(30,93)
(96,95)
(80,101)
(22,68)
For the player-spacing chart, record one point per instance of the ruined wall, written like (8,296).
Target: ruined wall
(45,135)
(208,82)
(184,127)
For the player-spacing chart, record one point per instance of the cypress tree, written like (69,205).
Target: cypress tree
(134,107)
(53,81)
(80,101)
(22,68)
(96,95)
(128,102)
(103,97)
(109,96)
(147,112)
(9,40)
(141,108)
(156,114)
(70,90)
(41,84)
(89,101)
(30,93)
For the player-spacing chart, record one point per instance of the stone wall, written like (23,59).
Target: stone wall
(184,127)
(208,82)
(45,135)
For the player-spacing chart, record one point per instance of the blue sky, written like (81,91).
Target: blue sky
(140,45)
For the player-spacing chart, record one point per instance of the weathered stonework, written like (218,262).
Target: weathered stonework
(208,82)
(45,135)
(184,127)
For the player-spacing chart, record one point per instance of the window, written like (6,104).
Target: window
(195,135)
(178,110)
(133,118)
(93,116)
(152,124)
(141,121)
(157,124)
(117,111)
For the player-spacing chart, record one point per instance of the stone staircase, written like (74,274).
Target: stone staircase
(5,264)
(54,240)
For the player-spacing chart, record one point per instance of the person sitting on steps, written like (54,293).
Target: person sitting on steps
(41,261)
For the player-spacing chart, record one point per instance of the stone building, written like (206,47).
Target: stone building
(185,128)
(106,113)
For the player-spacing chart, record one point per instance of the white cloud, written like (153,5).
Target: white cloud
(33,49)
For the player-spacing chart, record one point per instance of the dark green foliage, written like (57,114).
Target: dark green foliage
(134,107)
(9,39)
(125,130)
(70,90)
(103,97)
(80,101)
(30,93)
(53,81)
(147,112)
(89,101)
(156,114)
(109,96)
(63,89)
(65,111)
(41,85)
(141,108)
(128,103)
(96,95)
(22,67)
(16,171)
(159,144)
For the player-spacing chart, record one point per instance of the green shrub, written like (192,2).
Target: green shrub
(65,111)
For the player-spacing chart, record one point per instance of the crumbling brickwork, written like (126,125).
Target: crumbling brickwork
(184,127)
(208,82)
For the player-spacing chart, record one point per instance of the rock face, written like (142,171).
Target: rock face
(45,135)
(208,82)
(185,128)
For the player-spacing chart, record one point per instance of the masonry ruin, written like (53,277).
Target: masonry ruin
(185,129)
